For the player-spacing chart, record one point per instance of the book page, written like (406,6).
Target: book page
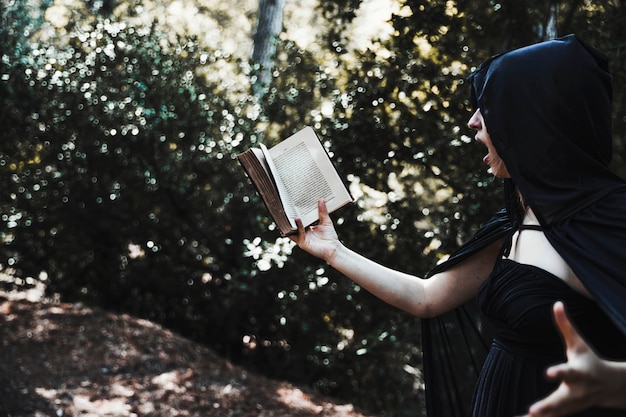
(283,191)
(308,175)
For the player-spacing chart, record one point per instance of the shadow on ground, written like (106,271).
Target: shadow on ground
(68,360)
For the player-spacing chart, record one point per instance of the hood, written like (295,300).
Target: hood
(547,108)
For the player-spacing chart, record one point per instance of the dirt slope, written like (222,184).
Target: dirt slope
(69,360)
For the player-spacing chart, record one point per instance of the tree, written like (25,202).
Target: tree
(121,186)
(102,7)
(398,131)
(269,26)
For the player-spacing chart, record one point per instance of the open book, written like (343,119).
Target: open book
(292,176)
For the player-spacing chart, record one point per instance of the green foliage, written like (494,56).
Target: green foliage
(113,155)
(120,186)
(398,127)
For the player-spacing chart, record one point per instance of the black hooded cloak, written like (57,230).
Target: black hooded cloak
(547,108)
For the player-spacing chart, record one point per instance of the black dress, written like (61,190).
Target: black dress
(517,299)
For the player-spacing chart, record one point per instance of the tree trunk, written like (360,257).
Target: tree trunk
(269,26)
(550,29)
(102,7)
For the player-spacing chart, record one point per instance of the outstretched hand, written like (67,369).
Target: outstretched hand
(320,240)
(586,379)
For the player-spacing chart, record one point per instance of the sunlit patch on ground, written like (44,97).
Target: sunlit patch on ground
(62,359)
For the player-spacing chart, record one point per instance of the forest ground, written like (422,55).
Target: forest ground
(59,359)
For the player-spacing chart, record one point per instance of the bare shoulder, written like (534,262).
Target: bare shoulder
(531,247)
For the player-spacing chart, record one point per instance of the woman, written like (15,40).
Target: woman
(543,112)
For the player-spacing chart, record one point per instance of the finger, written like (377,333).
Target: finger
(573,341)
(552,406)
(562,372)
(562,321)
(300,226)
(323,211)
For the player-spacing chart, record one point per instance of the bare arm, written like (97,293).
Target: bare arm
(421,297)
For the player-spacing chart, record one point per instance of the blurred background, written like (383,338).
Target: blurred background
(120,121)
